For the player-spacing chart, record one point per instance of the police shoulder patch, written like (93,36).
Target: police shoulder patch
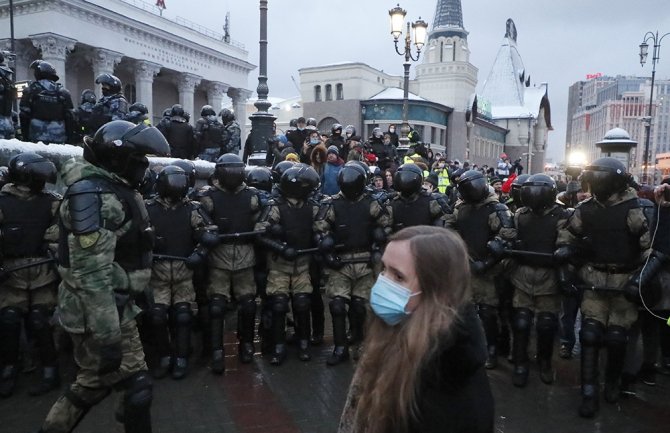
(88,240)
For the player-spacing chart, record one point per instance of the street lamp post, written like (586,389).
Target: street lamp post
(261,120)
(656,52)
(420,28)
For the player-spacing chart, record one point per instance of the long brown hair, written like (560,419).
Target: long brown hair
(394,357)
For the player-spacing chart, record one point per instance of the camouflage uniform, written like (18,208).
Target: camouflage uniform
(209,133)
(479,223)
(46,107)
(232,137)
(359,229)
(418,209)
(7,97)
(108,108)
(97,267)
(28,222)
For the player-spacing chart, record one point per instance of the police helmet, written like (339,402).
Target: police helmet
(227,115)
(606,176)
(279,169)
(377,133)
(473,186)
(538,192)
(120,147)
(31,170)
(515,190)
(111,85)
(352,179)
(88,95)
(336,127)
(189,169)
(293,123)
(229,171)
(350,130)
(299,181)
(177,110)
(44,70)
(172,183)
(311,123)
(260,178)
(138,107)
(207,110)
(166,112)
(408,179)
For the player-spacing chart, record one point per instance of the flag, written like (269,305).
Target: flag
(160,4)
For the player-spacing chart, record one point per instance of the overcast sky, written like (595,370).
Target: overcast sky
(560,41)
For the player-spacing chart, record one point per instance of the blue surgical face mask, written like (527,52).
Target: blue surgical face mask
(389,299)
(314,141)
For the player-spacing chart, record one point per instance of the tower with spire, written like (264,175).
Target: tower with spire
(446,74)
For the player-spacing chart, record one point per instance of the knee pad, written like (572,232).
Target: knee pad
(523,318)
(358,305)
(338,306)
(301,302)
(158,315)
(182,313)
(139,392)
(10,317)
(279,303)
(546,322)
(217,306)
(247,304)
(591,333)
(616,335)
(487,312)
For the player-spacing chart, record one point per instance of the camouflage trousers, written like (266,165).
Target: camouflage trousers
(90,388)
(354,279)
(281,282)
(231,284)
(537,303)
(484,289)
(609,308)
(24,288)
(47,131)
(172,283)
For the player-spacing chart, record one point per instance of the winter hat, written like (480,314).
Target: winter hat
(494,180)
(432,179)
(333,149)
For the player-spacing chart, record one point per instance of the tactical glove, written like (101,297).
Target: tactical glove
(110,358)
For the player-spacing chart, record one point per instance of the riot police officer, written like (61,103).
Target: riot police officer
(179,133)
(84,113)
(336,139)
(514,201)
(28,220)
(138,113)
(46,107)
(105,259)
(7,97)
(615,231)
(486,226)
(232,139)
(112,105)
(234,208)
(357,224)
(534,276)
(290,219)
(209,134)
(180,226)
(412,205)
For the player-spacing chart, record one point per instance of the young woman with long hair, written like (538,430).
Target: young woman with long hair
(423,365)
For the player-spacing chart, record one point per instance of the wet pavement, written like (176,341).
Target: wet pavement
(307,397)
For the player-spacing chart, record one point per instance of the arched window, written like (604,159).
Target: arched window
(329,92)
(317,93)
(340,91)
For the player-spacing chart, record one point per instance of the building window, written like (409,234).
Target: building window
(340,92)
(317,93)
(329,92)
(130,93)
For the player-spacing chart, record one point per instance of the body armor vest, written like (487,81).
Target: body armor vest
(537,233)
(606,229)
(47,102)
(473,226)
(174,234)
(353,224)
(415,213)
(232,212)
(133,249)
(297,224)
(213,136)
(7,95)
(24,224)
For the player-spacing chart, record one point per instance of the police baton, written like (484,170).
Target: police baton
(169,257)
(523,253)
(598,289)
(316,249)
(4,272)
(228,236)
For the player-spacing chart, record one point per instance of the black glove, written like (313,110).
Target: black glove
(631,292)
(289,253)
(195,260)
(478,267)
(110,358)
(333,261)
(563,254)
(209,239)
(496,247)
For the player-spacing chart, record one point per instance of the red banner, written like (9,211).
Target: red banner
(592,76)
(160,4)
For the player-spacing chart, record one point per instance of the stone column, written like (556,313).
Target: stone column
(145,72)
(103,62)
(54,50)
(239,98)
(186,84)
(215,92)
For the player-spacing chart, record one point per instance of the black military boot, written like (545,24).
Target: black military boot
(158,320)
(50,380)
(246,321)
(183,321)
(547,326)
(279,310)
(338,311)
(265,328)
(8,380)
(615,340)
(217,308)
(591,336)
(523,318)
(488,315)
(301,313)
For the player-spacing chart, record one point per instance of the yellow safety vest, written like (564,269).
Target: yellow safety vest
(443,180)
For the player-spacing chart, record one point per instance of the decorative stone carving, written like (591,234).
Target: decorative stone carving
(53,46)
(216,89)
(105,60)
(186,82)
(145,70)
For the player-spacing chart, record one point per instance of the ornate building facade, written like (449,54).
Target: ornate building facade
(160,61)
